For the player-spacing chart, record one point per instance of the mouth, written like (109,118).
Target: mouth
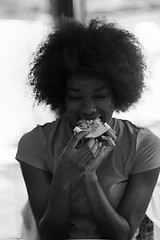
(91,118)
(94,127)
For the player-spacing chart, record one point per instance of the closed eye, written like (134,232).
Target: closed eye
(101,96)
(75,97)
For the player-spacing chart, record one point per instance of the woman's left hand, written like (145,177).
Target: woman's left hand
(105,146)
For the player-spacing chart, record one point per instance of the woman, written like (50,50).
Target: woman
(95,188)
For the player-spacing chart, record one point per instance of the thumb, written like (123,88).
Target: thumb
(76,138)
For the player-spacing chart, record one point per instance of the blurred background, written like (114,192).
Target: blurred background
(23,24)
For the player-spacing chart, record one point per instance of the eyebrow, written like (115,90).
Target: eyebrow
(101,88)
(96,89)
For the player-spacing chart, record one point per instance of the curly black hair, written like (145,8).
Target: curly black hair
(98,49)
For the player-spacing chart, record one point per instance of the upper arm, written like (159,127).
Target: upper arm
(38,187)
(137,196)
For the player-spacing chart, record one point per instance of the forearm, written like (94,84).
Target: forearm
(55,223)
(109,222)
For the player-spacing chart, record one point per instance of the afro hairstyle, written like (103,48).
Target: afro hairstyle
(99,49)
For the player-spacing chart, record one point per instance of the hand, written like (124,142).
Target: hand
(73,161)
(105,146)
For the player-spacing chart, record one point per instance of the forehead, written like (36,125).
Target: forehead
(84,82)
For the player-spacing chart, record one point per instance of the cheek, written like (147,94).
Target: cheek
(111,104)
(71,107)
(107,108)
(107,105)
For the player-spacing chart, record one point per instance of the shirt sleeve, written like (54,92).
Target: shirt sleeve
(31,148)
(147,152)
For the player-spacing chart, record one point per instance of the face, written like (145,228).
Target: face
(88,98)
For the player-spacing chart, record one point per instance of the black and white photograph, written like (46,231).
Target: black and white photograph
(80,119)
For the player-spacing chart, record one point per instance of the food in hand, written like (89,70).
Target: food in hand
(94,127)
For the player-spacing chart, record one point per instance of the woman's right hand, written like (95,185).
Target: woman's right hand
(73,161)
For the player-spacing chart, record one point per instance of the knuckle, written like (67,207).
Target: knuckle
(87,148)
(90,154)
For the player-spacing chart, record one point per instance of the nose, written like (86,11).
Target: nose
(88,107)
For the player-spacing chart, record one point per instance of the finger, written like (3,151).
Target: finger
(86,148)
(98,149)
(112,130)
(111,133)
(90,142)
(111,142)
(95,147)
(85,152)
(76,138)
(86,159)
(88,163)
(99,156)
(105,150)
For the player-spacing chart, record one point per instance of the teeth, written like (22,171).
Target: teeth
(90,120)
